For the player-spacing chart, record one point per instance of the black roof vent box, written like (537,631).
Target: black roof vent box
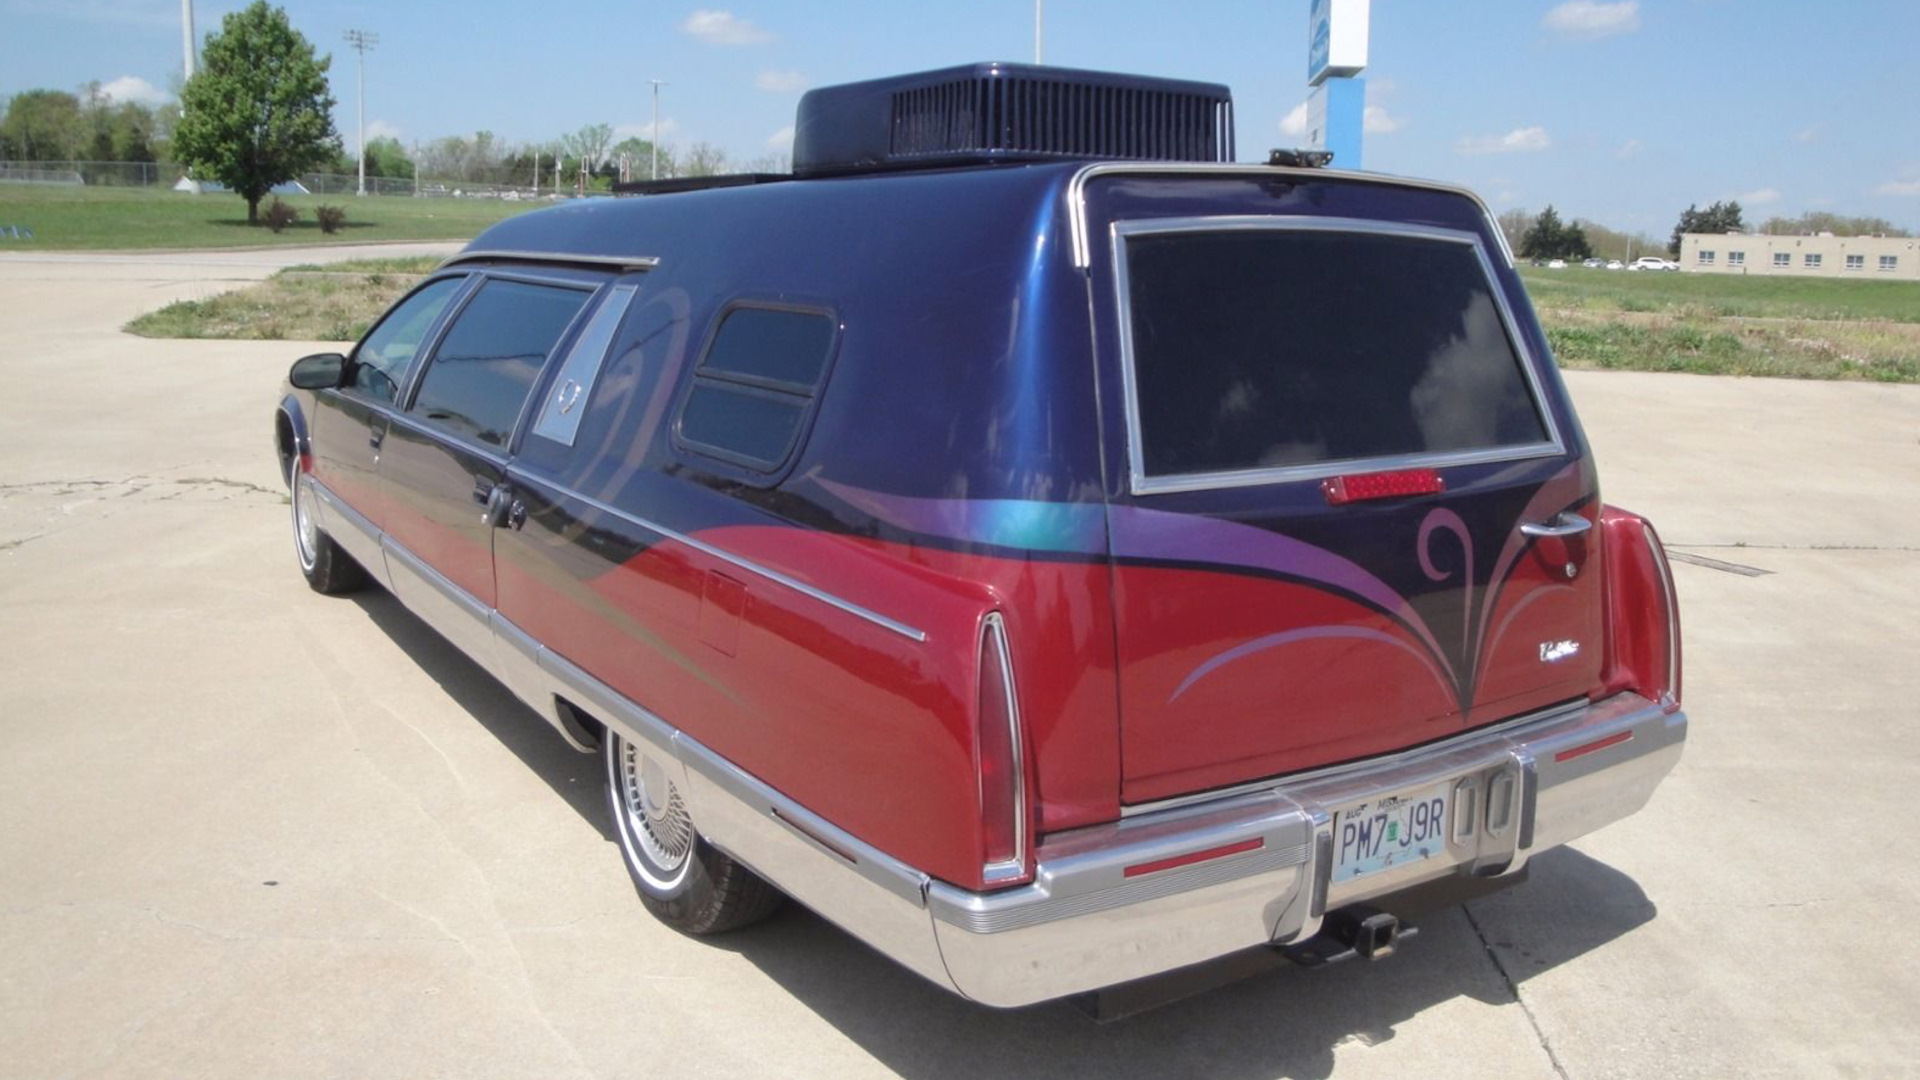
(993,112)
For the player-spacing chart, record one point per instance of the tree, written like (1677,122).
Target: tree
(45,125)
(1516,223)
(386,157)
(259,111)
(1719,218)
(705,159)
(589,144)
(1819,221)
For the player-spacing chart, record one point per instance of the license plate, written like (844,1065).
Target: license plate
(1395,831)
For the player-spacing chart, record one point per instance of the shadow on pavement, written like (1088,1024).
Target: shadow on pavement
(573,776)
(1286,1022)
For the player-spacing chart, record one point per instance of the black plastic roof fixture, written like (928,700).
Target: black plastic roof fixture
(994,112)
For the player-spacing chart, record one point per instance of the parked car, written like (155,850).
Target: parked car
(1593,264)
(1654,262)
(1055,555)
(1616,264)
(1557,264)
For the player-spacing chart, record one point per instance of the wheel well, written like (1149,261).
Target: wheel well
(582,728)
(283,442)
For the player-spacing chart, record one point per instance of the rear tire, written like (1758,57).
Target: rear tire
(684,881)
(328,569)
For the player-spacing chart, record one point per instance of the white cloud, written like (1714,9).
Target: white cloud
(781,140)
(1526,139)
(1586,18)
(1898,187)
(1807,135)
(134,88)
(1629,150)
(1761,197)
(781,82)
(380,129)
(723,28)
(1295,122)
(1377,121)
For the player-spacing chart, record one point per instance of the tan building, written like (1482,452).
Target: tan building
(1868,258)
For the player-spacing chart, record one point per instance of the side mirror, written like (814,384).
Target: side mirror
(321,371)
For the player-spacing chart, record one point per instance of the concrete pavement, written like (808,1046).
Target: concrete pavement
(250,831)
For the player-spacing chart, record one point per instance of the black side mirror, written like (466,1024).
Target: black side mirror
(321,371)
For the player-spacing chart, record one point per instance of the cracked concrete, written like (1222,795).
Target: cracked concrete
(182,723)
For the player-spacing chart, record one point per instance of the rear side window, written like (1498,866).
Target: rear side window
(1264,353)
(752,390)
(490,356)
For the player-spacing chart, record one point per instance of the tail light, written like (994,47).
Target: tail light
(1003,786)
(1643,614)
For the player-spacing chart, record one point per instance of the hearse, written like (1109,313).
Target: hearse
(1053,552)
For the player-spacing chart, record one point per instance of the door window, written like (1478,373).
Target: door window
(380,363)
(485,366)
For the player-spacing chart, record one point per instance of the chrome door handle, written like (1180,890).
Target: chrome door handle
(1562,527)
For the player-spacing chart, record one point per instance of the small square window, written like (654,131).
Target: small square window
(1782,259)
(1736,258)
(1705,257)
(1889,263)
(1856,262)
(1811,262)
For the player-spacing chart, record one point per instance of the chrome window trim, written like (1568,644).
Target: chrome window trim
(1140,483)
(1077,193)
(560,422)
(519,475)
(631,262)
(497,458)
(993,629)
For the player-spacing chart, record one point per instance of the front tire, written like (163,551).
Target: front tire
(684,881)
(327,569)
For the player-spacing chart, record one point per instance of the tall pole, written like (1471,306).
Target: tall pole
(1036,31)
(360,41)
(657,84)
(186,34)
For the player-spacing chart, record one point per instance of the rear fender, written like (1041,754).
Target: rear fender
(1643,614)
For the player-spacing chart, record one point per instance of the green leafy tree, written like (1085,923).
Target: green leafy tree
(386,157)
(1721,217)
(44,125)
(259,111)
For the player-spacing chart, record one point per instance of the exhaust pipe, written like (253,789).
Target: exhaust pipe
(1349,932)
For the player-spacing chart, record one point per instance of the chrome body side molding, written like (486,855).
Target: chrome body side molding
(353,532)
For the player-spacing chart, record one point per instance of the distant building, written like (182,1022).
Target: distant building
(1823,255)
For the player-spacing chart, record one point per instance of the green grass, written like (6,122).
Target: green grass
(338,303)
(129,219)
(1722,295)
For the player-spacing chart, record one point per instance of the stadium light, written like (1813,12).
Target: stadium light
(360,41)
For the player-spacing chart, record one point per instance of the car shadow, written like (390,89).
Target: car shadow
(1287,1021)
(573,776)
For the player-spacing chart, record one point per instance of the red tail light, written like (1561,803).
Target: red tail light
(1643,614)
(1003,788)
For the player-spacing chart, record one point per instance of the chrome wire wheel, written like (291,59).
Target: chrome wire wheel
(659,831)
(306,530)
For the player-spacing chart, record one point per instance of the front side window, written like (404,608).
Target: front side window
(1257,349)
(752,390)
(381,361)
(487,362)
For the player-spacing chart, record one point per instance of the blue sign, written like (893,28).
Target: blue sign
(1319,38)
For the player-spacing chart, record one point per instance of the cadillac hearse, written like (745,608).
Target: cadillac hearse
(1051,551)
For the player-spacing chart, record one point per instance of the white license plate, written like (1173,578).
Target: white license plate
(1395,831)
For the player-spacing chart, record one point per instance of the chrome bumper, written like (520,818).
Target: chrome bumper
(1084,923)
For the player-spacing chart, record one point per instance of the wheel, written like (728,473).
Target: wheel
(328,569)
(684,881)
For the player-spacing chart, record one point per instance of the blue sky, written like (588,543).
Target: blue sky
(1620,112)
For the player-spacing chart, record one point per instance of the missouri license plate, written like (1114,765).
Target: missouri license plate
(1395,831)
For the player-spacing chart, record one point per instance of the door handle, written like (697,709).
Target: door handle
(1562,527)
(374,439)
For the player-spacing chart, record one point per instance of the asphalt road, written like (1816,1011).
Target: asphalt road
(248,831)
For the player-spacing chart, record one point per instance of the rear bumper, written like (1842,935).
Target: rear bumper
(1085,923)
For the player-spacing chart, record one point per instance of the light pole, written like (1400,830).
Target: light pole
(186,33)
(1036,31)
(361,41)
(657,84)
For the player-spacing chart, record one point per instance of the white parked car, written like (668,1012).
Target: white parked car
(1616,264)
(1557,264)
(1654,262)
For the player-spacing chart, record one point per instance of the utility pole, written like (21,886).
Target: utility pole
(1036,31)
(657,84)
(360,41)
(186,34)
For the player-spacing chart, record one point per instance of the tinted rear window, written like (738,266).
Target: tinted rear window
(1271,348)
(489,358)
(753,388)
